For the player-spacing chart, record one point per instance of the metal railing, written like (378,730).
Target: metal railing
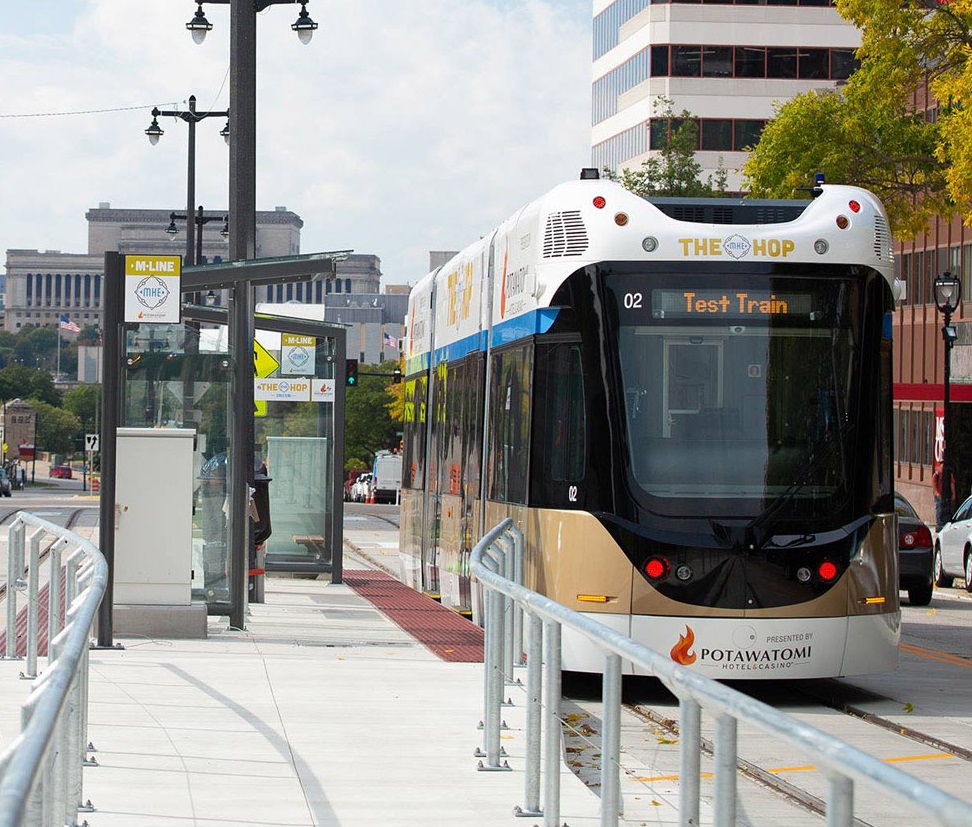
(41,769)
(497,562)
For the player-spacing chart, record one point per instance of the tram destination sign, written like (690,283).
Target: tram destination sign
(728,304)
(152,289)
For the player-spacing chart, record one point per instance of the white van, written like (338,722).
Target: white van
(386,477)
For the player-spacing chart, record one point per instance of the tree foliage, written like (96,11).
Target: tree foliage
(674,171)
(874,131)
(22,382)
(84,401)
(368,423)
(57,428)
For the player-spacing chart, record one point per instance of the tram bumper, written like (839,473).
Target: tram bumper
(750,648)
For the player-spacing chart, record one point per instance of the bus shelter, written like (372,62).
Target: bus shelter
(265,398)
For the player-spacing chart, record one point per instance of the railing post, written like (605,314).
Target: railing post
(518,577)
(840,801)
(690,759)
(15,558)
(611,741)
(33,610)
(508,571)
(37,811)
(493,666)
(552,734)
(75,752)
(54,597)
(534,711)
(725,771)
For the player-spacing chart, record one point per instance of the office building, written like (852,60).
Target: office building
(728,63)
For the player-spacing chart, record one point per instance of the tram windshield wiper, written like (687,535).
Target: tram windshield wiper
(816,460)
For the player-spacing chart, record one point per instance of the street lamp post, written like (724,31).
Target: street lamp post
(948,294)
(200,219)
(242,240)
(191,116)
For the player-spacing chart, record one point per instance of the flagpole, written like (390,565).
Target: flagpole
(58,329)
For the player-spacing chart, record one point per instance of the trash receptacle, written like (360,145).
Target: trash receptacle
(260,511)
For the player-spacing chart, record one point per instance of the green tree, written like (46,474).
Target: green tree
(868,131)
(84,402)
(22,382)
(57,429)
(674,171)
(368,424)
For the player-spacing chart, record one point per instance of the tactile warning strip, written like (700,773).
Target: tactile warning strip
(442,631)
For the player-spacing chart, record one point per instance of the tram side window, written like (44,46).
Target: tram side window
(413,461)
(510,425)
(565,426)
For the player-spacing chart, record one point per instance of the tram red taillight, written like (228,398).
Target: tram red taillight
(855,206)
(657,568)
(827,571)
(600,201)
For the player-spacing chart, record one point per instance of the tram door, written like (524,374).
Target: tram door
(693,370)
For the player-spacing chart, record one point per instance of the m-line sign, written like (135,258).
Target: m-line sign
(153,291)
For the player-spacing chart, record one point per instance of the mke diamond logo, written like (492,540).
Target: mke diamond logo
(151,292)
(736,245)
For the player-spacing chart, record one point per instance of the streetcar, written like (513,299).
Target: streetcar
(685,405)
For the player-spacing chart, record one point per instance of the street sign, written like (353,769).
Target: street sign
(91,442)
(152,289)
(264,364)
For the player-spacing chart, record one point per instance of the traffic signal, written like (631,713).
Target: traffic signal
(397,376)
(351,373)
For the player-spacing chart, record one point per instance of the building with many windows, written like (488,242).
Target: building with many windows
(42,286)
(728,63)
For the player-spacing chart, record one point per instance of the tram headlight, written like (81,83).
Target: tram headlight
(649,244)
(820,246)
(683,572)
(657,568)
(804,574)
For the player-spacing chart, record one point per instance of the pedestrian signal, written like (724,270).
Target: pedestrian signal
(351,373)
(397,376)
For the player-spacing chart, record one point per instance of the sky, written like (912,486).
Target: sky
(404,126)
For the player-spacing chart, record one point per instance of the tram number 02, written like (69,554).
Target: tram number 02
(632,301)
(572,493)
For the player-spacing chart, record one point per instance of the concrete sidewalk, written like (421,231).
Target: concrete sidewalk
(322,713)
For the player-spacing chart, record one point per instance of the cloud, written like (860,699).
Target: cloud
(403,127)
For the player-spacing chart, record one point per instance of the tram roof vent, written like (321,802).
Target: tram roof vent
(564,235)
(730,210)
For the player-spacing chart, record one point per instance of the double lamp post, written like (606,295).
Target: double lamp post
(948,294)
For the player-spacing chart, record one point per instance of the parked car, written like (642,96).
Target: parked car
(386,479)
(953,550)
(349,482)
(361,488)
(5,486)
(62,472)
(916,557)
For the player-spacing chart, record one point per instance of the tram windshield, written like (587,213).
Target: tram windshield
(738,387)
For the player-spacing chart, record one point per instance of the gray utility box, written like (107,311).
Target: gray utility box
(153,534)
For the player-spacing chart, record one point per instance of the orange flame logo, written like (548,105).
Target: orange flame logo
(681,651)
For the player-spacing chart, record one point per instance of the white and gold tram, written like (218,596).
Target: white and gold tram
(686,407)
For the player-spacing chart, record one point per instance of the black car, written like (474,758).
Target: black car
(4,483)
(916,556)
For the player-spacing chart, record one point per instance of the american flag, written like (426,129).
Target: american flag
(67,324)
(391,341)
